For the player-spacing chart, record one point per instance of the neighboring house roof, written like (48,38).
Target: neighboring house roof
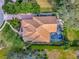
(38,28)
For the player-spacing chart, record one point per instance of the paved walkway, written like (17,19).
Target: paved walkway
(1,17)
(18,16)
(3,26)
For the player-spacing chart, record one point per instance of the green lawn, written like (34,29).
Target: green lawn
(69,54)
(3,53)
(57,50)
(45,5)
(48,47)
(12,39)
(15,23)
(72,34)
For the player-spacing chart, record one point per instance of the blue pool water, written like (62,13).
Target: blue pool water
(56,36)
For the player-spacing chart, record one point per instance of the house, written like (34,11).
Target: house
(38,29)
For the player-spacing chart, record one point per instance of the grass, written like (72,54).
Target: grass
(69,54)
(45,10)
(12,39)
(3,53)
(45,6)
(72,34)
(61,54)
(15,23)
(57,52)
(48,47)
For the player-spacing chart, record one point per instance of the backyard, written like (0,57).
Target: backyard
(3,53)
(61,54)
(57,52)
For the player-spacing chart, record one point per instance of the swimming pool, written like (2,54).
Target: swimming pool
(56,36)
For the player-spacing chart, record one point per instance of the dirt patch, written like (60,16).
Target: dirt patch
(70,55)
(54,54)
(44,5)
(61,54)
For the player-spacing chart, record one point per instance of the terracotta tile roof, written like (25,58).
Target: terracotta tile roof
(47,19)
(32,22)
(39,28)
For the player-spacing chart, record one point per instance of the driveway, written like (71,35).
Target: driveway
(1,12)
(1,17)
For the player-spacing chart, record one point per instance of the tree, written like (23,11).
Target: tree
(9,8)
(14,8)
